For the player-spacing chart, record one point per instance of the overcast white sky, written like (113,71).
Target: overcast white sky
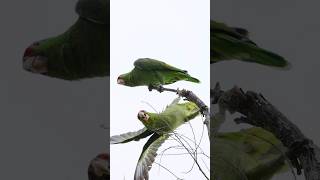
(174,31)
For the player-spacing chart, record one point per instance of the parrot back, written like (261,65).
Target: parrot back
(175,115)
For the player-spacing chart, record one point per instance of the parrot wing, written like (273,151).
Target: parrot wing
(247,155)
(233,43)
(130,136)
(148,155)
(152,65)
(94,10)
(238,33)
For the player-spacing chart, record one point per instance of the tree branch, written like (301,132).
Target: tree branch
(259,112)
(189,96)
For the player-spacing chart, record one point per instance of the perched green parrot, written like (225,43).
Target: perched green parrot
(80,52)
(230,43)
(249,154)
(150,72)
(159,125)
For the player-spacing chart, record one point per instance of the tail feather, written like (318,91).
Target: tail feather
(264,57)
(228,48)
(192,79)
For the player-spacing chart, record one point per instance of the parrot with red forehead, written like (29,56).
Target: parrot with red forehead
(80,52)
(159,126)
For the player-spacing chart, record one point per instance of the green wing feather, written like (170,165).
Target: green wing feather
(228,43)
(148,155)
(130,136)
(164,71)
(152,64)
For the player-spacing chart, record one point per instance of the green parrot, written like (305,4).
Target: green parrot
(249,154)
(151,72)
(230,43)
(80,52)
(159,126)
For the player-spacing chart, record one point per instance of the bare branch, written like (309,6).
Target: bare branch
(257,111)
(189,96)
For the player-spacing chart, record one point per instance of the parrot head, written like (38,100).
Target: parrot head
(33,61)
(48,57)
(120,80)
(143,116)
(124,79)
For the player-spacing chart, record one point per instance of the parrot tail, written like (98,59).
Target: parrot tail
(265,57)
(192,79)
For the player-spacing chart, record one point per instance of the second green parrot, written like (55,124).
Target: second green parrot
(151,72)
(230,43)
(159,125)
(80,52)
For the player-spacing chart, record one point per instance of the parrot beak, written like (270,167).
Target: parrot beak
(143,116)
(120,81)
(33,62)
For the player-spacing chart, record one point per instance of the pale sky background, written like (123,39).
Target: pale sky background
(49,128)
(291,29)
(174,31)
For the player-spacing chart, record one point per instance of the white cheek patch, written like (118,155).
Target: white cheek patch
(35,64)
(146,117)
(40,65)
(27,63)
(120,81)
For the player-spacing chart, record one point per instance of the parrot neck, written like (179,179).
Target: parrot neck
(152,118)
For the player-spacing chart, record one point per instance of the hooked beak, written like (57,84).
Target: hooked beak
(35,64)
(143,116)
(120,81)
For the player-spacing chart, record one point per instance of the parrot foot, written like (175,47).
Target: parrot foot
(150,87)
(159,88)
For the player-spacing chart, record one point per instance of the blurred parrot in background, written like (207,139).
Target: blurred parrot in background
(249,154)
(159,126)
(231,43)
(151,72)
(80,52)
(99,167)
